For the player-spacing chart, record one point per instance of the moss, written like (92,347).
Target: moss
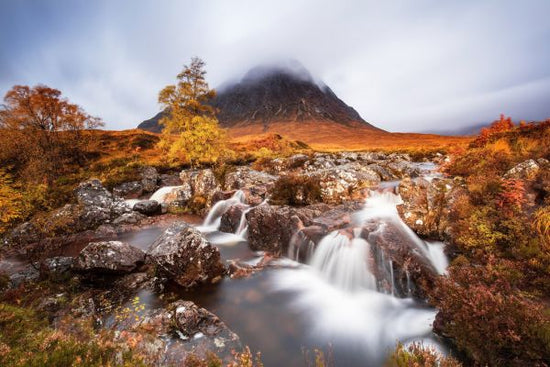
(27,340)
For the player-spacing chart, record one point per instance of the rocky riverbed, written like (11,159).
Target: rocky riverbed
(248,273)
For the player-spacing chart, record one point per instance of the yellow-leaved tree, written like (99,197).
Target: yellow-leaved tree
(191,133)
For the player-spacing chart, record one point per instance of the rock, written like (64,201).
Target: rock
(109,257)
(129,218)
(344,182)
(231,219)
(426,205)
(57,265)
(245,177)
(413,275)
(29,274)
(129,190)
(336,218)
(201,182)
(271,227)
(297,161)
(178,330)
(147,207)
(91,193)
(149,179)
(169,179)
(526,170)
(182,254)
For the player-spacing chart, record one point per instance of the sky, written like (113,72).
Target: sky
(424,65)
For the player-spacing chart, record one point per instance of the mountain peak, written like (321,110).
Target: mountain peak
(280,92)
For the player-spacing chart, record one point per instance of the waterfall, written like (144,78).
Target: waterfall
(214,217)
(382,207)
(160,195)
(343,262)
(242,229)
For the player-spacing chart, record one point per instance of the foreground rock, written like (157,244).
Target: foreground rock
(183,255)
(172,333)
(109,257)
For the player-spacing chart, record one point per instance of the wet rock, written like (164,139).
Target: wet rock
(231,219)
(337,218)
(149,179)
(129,190)
(271,227)
(526,170)
(182,254)
(179,196)
(426,205)
(411,271)
(147,207)
(109,257)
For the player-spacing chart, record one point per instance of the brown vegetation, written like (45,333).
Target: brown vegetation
(494,302)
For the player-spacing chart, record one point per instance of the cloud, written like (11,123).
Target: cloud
(405,66)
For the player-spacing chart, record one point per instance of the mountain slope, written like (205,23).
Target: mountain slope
(270,94)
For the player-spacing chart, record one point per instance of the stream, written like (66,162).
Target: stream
(333,301)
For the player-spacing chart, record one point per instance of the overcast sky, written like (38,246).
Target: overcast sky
(403,65)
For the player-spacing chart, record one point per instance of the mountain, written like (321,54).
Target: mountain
(269,95)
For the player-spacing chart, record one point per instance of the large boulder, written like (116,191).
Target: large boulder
(426,205)
(271,227)
(170,334)
(109,257)
(231,219)
(182,254)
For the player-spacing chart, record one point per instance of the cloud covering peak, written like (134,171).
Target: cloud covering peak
(406,66)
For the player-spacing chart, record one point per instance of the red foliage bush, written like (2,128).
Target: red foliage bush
(488,319)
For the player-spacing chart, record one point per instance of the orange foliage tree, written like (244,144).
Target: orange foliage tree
(41,132)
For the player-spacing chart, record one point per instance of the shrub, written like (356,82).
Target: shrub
(488,319)
(417,355)
(296,190)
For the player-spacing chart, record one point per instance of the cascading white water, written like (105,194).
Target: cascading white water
(242,229)
(160,195)
(213,219)
(342,295)
(382,206)
(343,262)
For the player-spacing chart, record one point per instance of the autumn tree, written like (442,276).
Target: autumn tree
(191,133)
(41,132)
